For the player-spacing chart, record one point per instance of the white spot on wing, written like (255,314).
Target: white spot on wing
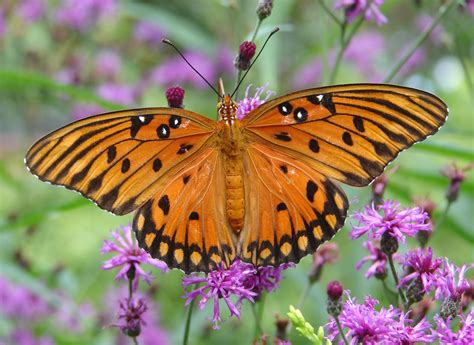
(320,97)
(141,118)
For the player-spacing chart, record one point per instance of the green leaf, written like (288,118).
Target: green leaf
(446,150)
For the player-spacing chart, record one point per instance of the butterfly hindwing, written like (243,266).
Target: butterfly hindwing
(292,208)
(347,132)
(185,223)
(119,159)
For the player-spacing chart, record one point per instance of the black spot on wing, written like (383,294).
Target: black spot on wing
(282,136)
(111,154)
(164,204)
(311,189)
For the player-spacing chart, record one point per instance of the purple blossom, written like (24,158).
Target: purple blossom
(422,266)
(415,61)
(175,71)
(469,4)
(74,317)
(82,15)
(407,332)
(328,253)
(396,222)
(118,93)
(81,110)
(363,323)
(225,284)
(23,336)
(354,8)
(129,256)
(131,312)
(3,24)
(446,335)
(31,10)
(225,60)
(357,50)
(377,258)
(310,74)
(452,281)
(108,65)
(148,33)
(19,302)
(265,278)
(250,103)
(423,22)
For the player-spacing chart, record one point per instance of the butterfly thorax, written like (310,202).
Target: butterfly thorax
(231,143)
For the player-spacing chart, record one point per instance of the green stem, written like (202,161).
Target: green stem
(345,41)
(443,216)
(465,68)
(130,295)
(389,293)
(341,332)
(304,295)
(188,323)
(258,325)
(330,13)
(441,13)
(395,277)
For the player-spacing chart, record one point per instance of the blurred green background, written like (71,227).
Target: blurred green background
(51,73)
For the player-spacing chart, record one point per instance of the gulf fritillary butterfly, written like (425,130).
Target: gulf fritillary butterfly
(261,189)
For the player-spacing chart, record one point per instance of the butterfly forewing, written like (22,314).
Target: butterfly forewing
(184,224)
(347,132)
(119,160)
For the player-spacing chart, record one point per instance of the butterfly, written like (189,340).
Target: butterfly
(263,189)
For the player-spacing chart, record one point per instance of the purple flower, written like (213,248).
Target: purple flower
(354,8)
(363,323)
(3,24)
(108,64)
(74,317)
(309,74)
(22,336)
(225,60)
(265,278)
(175,96)
(148,33)
(422,266)
(31,10)
(456,176)
(423,22)
(129,256)
(377,258)
(175,71)
(81,110)
(118,93)
(357,50)
(328,253)
(446,335)
(407,332)
(250,103)
(222,283)
(452,281)
(469,5)
(84,14)
(394,221)
(131,311)
(19,302)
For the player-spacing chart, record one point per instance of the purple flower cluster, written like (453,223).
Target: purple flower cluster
(353,8)
(84,14)
(392,220)
(241,281)
(452,281)
(445,333)
(148,33)
(129,257)
(250,103)
(31,10)
(369,324)
(377,258)
(422,266)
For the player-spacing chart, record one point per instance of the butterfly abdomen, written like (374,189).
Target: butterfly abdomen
(234,185)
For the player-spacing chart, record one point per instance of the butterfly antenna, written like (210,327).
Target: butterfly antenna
(167,41)
(274,31)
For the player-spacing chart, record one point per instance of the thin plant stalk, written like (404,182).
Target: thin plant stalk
(345,41)
(330,13)
(443,10)
(188,323)
(341,332)
(258,326)
(397,282)
(130,295)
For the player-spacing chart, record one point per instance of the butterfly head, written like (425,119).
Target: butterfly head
(227,108)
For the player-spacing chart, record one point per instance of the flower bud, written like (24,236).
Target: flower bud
(175,96)
(449,307)
(246,52)
(334,303)
(415,291)
(388,243)
(264,8)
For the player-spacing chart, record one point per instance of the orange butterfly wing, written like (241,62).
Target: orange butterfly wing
(347,132)
(299,142)
(121,159)
(185,224)
(292,208)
